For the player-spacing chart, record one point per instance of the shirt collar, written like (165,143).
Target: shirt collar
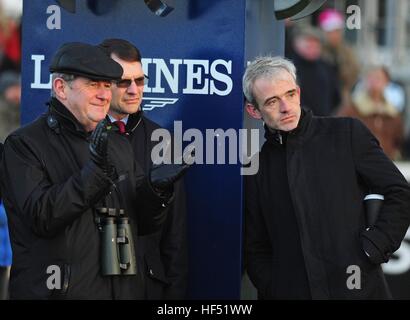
(125,119)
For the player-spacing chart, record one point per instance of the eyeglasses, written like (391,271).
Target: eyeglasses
(125,83)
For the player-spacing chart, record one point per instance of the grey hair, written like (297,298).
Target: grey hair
(64,76)
(265,67)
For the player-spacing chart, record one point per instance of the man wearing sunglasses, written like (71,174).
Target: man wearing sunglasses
(163,254)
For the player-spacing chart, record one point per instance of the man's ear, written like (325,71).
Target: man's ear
(60,87)
(253,111)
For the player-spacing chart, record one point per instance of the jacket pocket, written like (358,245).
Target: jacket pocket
(156,281)
(62,292)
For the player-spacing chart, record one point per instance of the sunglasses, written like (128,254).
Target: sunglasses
(125,83)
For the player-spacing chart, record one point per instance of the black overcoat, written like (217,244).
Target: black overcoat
(51,189)
(332,163)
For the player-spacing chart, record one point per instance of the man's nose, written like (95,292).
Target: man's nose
(283,106)
(134,88)
(104,94)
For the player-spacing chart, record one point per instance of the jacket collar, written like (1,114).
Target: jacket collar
(64,117)
(134,120)
(278,137)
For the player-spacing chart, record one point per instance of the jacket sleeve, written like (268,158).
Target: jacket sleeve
(258,250)
(381,176)
(173,246)
(44,206)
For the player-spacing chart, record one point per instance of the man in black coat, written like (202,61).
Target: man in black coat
(164,254)
(75,198)
(306,234)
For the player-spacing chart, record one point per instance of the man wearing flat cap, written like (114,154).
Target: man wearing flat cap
(76,200)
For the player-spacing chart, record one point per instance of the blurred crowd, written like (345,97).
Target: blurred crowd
(334,83)
(10,84)
(10,94)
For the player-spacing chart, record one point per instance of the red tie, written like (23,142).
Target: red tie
(121,126)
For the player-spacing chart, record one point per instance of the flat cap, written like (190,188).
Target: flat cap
(85,60)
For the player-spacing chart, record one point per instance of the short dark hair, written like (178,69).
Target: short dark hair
(124,49)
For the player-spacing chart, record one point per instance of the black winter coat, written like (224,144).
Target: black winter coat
(164,253)
(51,189)
(331,164)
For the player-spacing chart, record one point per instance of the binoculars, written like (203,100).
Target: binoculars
(117,245)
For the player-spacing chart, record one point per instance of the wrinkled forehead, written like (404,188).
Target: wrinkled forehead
(268,87)
(279,74)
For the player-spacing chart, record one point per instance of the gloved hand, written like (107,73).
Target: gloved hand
(163,176)
(99,149)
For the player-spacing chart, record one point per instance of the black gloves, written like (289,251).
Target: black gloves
(99,149)
(163,176)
